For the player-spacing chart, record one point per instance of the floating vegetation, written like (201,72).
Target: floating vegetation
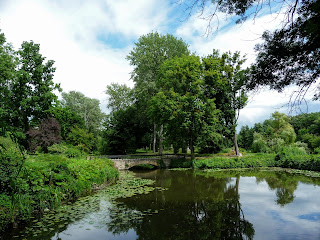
(179,169)
(101,210)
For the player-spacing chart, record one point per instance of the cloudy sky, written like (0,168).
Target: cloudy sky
(89,40)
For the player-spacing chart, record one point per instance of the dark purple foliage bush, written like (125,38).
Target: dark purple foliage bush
(47,134)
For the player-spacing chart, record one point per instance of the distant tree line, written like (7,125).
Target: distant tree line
(281,130)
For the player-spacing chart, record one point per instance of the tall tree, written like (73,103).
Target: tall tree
(181,102)
(87,108)
(225,82)
(149,53)
(7,71)
(32,89)
(120,96)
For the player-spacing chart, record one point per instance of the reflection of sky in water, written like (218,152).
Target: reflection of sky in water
(297,220)
(94,226)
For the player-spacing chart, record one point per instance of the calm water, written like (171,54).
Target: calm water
(200,205)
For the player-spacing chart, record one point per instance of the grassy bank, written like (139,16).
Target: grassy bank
(256,160)
(46,181)
(246,161)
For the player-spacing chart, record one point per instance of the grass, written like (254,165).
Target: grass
(256,160)
(47,181)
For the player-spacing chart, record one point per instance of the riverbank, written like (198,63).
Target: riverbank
(257,160)
(47,181)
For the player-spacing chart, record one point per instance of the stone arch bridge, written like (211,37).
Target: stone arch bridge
(123,162)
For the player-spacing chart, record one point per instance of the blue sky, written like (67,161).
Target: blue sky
(89,40)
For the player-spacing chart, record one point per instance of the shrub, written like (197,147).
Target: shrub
(46,135)
(72,152)
(81,138)
(11,160)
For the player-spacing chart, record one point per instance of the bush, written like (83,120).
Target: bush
(49,180)
(46,135)
(11,161)
(72,152)
(297,158)
(81,138)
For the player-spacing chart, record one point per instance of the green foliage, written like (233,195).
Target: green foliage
(57,148)
(297,158)
(67,150)
(180,163)
(290,55)
(7,71)
(11,161)
(120,96)
(270,136)
(147,56)
(149,53)
(245,137)
(259,144)
(67,119)
(248,161)
(180,105)
(307,127)
(31,92)
(125,131)
(49,180)
(87,108)
(82,139)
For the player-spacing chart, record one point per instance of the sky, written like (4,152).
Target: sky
(89,41)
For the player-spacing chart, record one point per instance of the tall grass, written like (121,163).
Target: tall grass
(47,181)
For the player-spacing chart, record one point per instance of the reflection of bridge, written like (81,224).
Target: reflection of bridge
(128,161)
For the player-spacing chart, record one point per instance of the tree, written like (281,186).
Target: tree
(31,89)
(149,53)
(87,108)
(120,96)
(7,70)
(67,119)
(289,55)
(82,139)
(125,131)
(225,82)
(46,135)
(246,137)
(181,103)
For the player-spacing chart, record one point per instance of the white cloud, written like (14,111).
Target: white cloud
(67,32)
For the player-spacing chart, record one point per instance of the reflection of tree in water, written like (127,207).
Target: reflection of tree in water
(284,183)
(284,186)
(194,207)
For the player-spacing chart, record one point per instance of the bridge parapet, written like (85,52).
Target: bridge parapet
(155,160)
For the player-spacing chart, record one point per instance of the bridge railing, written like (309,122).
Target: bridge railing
(144,156)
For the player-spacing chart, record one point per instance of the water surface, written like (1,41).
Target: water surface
(199,205)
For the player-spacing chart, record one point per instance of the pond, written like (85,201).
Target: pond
(259,204)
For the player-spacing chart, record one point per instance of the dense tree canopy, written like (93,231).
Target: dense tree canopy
(149,53)
(181,104)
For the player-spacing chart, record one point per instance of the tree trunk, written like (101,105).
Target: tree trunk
(161,140)
(236,148)
(154,137)
(191,146)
